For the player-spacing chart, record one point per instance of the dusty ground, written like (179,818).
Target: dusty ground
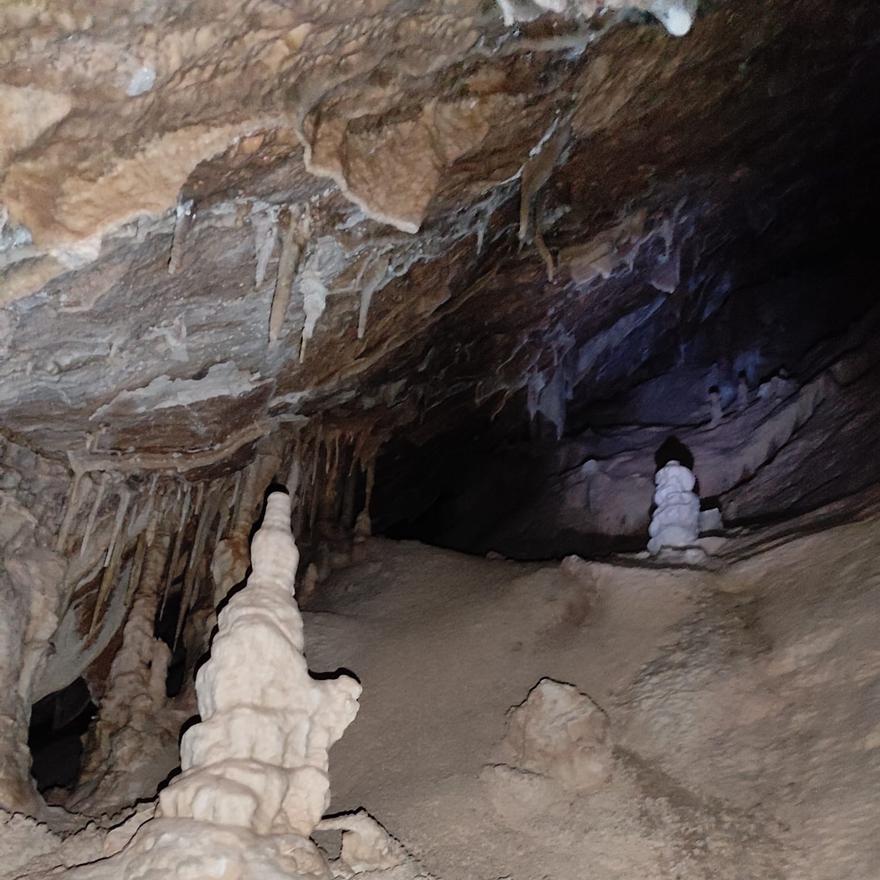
(745,708)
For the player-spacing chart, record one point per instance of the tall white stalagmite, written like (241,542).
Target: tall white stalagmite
(230,559)
(676,519)
(254,784)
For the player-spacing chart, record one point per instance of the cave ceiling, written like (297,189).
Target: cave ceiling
(215,219)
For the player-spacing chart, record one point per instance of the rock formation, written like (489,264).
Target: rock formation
(562,734)
(254,784)
(32,576)
(676,519)
(132,747)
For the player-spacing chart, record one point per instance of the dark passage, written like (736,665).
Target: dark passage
(58,722)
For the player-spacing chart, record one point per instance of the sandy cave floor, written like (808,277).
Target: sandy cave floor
(744,704)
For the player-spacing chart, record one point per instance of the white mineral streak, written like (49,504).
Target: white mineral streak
(265,224)
(676,519)
(314,302)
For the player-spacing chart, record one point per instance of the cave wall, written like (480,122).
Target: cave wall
(453,268)
(795,362)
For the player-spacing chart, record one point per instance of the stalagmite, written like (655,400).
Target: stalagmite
(254,784)
(676,519)
(230,558)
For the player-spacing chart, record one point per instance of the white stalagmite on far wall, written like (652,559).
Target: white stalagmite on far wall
(676,519)
(254,784)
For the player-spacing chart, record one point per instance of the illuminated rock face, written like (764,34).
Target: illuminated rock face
(676,520)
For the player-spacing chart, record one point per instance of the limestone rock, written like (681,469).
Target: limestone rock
(560,733)
(254,782)
(368,850)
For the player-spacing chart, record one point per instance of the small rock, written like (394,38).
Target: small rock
(560,733)
(710,520)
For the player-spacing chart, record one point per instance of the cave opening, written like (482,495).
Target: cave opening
(166,629)
(58,723)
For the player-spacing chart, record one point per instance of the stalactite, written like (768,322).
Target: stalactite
(129,749)
(314,293)
(121,510)
(291,251)
(302,447)
(543,250)
(93,514)
(145,538)
(536,172)
(294,472)
(363,527)
(208,512)
(370,284)
(111,560)
(320,450)
(200,499)
(73,505)
(178,543)
(183,219)
(153,522)
(349,491)
(236,496)
(151,496)
(225,511)
(265,226)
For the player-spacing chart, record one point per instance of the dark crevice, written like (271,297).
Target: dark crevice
(58,722)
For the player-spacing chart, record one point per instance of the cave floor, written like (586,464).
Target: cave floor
(744,707)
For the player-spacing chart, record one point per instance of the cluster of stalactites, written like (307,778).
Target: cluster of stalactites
(331,476)
(118,515)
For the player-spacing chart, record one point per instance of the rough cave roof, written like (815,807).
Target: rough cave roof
(214,220)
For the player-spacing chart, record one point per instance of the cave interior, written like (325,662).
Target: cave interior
(464,281)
